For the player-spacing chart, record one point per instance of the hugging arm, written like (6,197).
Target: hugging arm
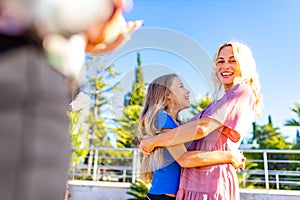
(204,158)
(190,131)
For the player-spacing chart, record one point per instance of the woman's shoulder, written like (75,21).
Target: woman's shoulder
(243,89)
(244,92)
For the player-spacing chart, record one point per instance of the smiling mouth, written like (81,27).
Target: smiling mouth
(226,74)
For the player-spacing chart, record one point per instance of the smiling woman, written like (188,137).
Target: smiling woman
(234,64)
(227,67)
(235,70)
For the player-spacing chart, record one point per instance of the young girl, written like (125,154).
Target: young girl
(166,97)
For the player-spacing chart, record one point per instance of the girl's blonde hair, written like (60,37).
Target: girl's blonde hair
(156,100)
(247,66)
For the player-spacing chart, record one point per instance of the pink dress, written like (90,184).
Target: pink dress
(236,110)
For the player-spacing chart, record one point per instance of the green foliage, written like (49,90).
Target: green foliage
(96,87)
(295,122)
(200,105)
(126,130)
(76,134)
(292,122)
(297,145)
(87,125)
(128,126)
(138,90)
(115,158)
(138,190)
(269,137)
(249,165)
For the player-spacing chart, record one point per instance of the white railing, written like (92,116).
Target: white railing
(124,166)
(281,177)
(121,167)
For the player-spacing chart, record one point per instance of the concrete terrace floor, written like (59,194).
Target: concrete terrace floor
(262,194)
(90,190)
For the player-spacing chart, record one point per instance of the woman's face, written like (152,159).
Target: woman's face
(227,66)
(179,95)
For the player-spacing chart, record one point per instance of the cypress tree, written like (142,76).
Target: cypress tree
(138,89)
(134,100)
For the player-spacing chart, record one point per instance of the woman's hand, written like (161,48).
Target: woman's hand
(238,159)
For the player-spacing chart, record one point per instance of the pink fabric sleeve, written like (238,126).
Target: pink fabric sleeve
(236,109)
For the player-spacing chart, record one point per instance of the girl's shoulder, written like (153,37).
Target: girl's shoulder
(164,120)
(162,115)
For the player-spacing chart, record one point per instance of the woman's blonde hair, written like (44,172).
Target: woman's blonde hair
(247,66)
(156,100)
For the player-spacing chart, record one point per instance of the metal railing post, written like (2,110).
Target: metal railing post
(277,181)
(73,172)
(95,165)
(124,175)
(266,169)
(244,179)
(134,165)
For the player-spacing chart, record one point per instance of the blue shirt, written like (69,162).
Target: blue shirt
(166,179)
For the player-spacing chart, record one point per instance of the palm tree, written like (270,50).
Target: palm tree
(269,137)
(138,190)
(294,122)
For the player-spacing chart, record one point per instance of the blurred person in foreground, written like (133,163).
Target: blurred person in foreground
(34,144)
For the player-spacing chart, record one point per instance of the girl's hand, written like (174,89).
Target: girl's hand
(145,146)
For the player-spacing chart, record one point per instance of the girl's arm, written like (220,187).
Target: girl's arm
(204,158)
(190,131)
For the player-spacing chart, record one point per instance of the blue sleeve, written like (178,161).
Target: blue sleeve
(164,120)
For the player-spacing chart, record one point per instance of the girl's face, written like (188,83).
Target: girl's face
(179,95)
(227,66)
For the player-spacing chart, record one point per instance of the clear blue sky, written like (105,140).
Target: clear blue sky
(270,27)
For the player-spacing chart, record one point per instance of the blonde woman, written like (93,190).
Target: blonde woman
(166,97)
(235,75)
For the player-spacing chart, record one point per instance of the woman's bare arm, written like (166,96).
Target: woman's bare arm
(190,131)
(204,158)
